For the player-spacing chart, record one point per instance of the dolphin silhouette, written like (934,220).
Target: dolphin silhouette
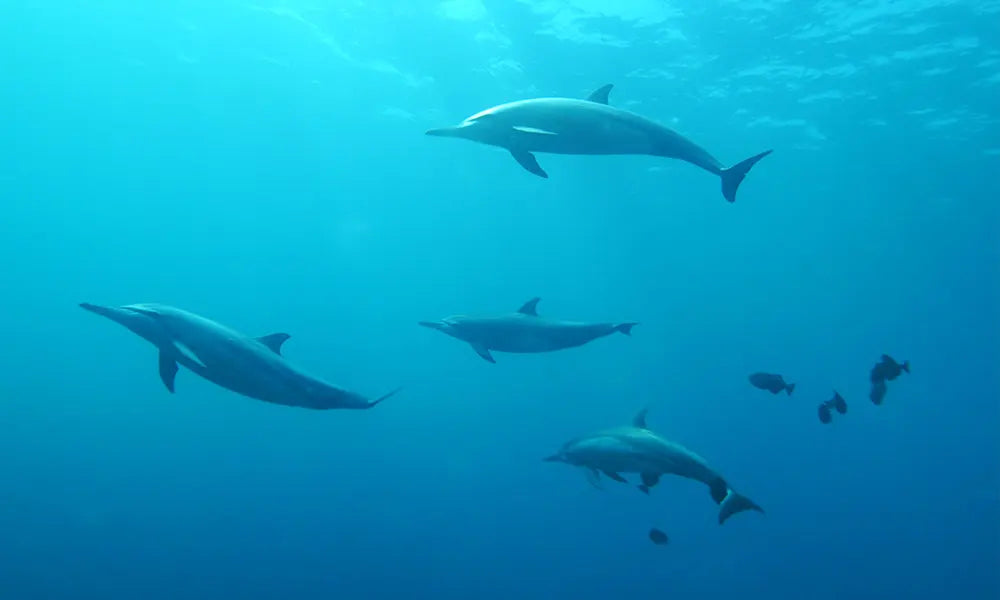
(249,366)
(636,449)
(523,331)
(591,126)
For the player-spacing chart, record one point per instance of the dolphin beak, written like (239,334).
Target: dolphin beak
(114,313)
(101,310)
(553,458)
(445,132)
(433,325)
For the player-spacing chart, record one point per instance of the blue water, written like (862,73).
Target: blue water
(264,165)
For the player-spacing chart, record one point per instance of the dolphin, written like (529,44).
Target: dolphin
(523,331)
(636,449)
(591,126)
(253,367)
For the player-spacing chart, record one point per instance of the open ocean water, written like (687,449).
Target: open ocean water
(263,163)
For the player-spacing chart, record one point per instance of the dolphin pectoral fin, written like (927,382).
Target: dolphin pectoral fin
(593,478)
(530,307)
(600,95)
(483,351)
(529,162)
(615,476)
(649,480)
(188,354)
(168,370)
(733,176)
(274,341)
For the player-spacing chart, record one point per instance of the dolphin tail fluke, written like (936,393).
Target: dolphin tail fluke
(733,176)
(906,366)
(625,328)
(790,388)
(736,503)
(383,397)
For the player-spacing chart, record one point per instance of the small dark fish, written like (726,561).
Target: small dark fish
(771,382)
(658,537)
(876,376)
(892,369)
(839,403)
(824,413)
(888,369)
(878,392)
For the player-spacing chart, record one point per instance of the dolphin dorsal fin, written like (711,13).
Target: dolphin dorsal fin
(600,95)
(639,420)
(530,307)
(274,341)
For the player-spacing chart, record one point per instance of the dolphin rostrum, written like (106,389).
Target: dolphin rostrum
(591,126)
(249,366)
(636,449)
(523,331)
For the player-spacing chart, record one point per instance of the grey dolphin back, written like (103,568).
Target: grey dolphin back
(731,177)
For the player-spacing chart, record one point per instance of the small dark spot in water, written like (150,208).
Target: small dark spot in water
(839,403)
(658,537)
(771,382)
(824,413)
(878,392)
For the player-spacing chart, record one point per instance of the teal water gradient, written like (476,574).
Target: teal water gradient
(265,165)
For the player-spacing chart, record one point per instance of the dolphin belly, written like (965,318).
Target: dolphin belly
(528,336)
(610,453)
(248,379)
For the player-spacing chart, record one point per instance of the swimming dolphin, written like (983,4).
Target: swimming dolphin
(591,126)
(523,331)
(249,366)
(636,449)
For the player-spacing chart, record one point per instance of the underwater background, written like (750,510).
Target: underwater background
(264,164)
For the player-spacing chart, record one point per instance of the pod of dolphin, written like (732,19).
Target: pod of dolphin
(254,366)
